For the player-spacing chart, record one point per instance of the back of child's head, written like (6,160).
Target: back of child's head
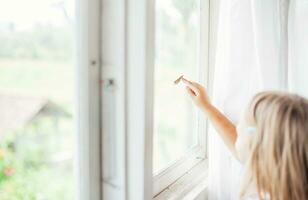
(278,160)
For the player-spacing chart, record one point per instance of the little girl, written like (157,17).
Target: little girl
(271,140)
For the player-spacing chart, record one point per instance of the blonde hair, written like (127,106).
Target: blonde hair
(278,162)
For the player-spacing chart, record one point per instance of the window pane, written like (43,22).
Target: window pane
(36,99)
(176,54)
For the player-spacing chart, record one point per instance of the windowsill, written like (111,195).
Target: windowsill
(190,186)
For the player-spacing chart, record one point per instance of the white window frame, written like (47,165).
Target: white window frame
(116,43)
(88,146)
(164,178)
(127,59)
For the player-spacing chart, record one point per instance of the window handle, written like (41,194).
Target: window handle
(109,131)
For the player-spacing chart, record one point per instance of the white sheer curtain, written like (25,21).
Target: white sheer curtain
(261,45)
(298,47)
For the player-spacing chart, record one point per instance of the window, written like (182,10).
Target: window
(37,129)
(179,131)
(176,54)
(151,132)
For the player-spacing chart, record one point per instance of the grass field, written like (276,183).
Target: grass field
(50,79)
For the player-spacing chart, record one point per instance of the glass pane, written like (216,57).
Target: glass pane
(176,54)
(36,99)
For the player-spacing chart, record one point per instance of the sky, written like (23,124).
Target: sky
(29,12)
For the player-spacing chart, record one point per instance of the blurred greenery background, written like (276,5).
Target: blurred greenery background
(36,69)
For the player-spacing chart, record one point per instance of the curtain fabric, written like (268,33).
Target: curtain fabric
(261,45)
(298,47)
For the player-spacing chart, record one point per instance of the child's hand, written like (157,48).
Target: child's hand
(197,93)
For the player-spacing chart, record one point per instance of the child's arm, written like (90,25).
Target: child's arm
(222,124)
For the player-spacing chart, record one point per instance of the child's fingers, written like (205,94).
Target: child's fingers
(190,85)
(190,91)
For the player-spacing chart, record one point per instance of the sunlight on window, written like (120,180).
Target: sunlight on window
(176,54)
(36,99)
